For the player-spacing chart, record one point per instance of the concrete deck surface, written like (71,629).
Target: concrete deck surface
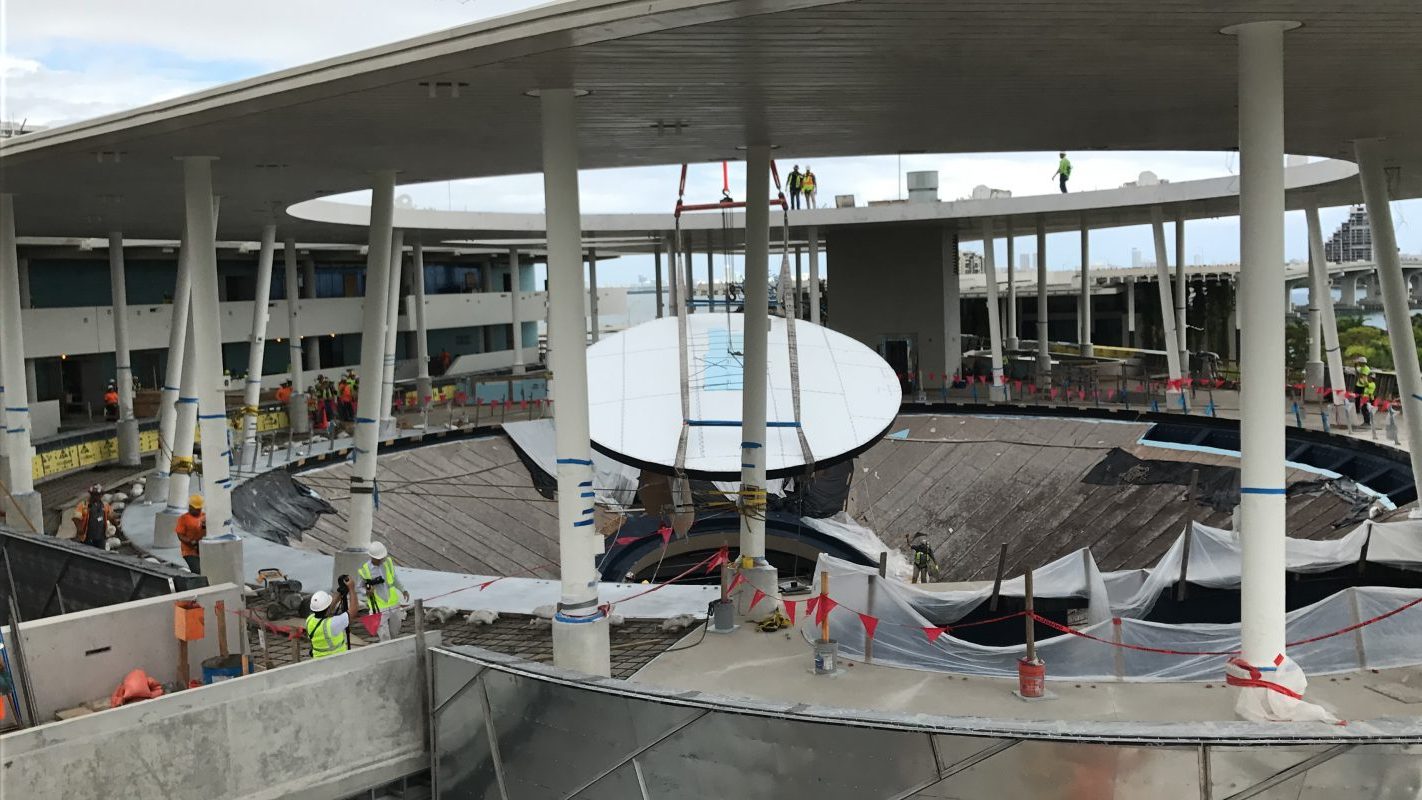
(780,667)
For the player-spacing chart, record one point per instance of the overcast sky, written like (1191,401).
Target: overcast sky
(68,60)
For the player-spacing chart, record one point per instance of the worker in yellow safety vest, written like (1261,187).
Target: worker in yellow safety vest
(381,586)
(328,623)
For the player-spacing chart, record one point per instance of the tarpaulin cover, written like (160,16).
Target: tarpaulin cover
(905,611)
(277,507)
(614,484)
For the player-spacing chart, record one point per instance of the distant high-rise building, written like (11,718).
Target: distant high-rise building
(1353,241)
(1136,260)
(970,263)
(1024,261)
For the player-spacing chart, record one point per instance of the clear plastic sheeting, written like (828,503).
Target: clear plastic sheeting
(614,483)
(1126,647)
(845,529)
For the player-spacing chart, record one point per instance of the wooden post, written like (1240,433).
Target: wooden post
(997,581)
(824,595)
(1180,583)
(422,657)
(184,675)
(1031,623)
(220,609)
(266,650)
(1357,632)
(869,594)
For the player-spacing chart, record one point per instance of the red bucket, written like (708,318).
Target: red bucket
(1031,677)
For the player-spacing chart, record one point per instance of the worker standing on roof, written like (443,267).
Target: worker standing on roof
(329,621)
(922,557)
(794,182)
(381,584)
(190,529)
(1063,171)
(807,186)
(93,517)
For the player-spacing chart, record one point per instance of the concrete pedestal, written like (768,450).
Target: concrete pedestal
(222,559)
(1313,378)
(297,418)
(347,562)
(128,448)
(24,512)
(155,489)
(424,387)
(165,522)
(765,578)
(582,645)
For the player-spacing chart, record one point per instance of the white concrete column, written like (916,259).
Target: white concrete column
(179,483)
(1044,354)
(657,263)
(372,369)
(20,481)
(814,235)
(1318,273)
(952,308)
(313,342)
(1131,311)
(1083,309)
(1348,290)
(710,276)
(173,373)
(1173,396)
(999,379)
(799,288)
(1012,338)
(580,628)
(216,446)
(423,385)
(1394,297)
(1317,287)
(31,384)
(1261,278)
(297,417)
(392,331)
(757,330)
(516,283)
(673,281)
(257,343)
(128,446)
(592,289)
(1181,293)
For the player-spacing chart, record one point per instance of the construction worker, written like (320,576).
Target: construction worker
(809,184)
(283,392)
(1063,171)
(111,401)
(922,557)
(380,582)
(793,183)
(1361,376)
(1367,397)
(190,529)
(329,622)
(93,517)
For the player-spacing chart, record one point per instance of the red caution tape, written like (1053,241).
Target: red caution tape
(1255,677)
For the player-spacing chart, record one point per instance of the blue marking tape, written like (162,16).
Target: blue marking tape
(751,445)
(579,461)
(561,617)
(587,511)
(587,494)
(365,420)
(18,409)
(212,416)
(585,483)
(580,523)
(1259,490)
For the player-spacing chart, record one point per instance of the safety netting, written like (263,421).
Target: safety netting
(1355,628)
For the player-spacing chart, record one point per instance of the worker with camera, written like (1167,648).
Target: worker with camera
(328,626)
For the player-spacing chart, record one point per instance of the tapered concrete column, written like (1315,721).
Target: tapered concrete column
(580,629)
(592,289)
(1174,394)
(297,418)
(313,342)
(1044,354)
(1261,278)
(1318,274)
(1181,293)
(179,482)
(392,330)
(999,379)
(1317,283)
(257,344)
(1394,297)
(1011,333)
(673,280)
(688,287)
(173,375)
(128,454)
(24,509)
(814,235)
(31,383)
(1083,308)
(1131,312)
(710,276)
(657,263)
(423,385)
(372,370)
(216,446)
(799,289)
(516,283)
(952,309)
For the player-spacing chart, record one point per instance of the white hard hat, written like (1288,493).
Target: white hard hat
(320,602)
(378,551)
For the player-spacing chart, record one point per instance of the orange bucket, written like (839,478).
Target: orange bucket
(1031,677)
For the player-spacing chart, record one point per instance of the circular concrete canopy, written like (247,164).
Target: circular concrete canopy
(690,80)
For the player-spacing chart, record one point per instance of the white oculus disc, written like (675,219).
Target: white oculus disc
(848,396)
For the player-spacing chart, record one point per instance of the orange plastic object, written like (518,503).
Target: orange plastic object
(188,621)
(136,686)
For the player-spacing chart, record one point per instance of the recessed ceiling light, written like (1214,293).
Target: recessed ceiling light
(539,93)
